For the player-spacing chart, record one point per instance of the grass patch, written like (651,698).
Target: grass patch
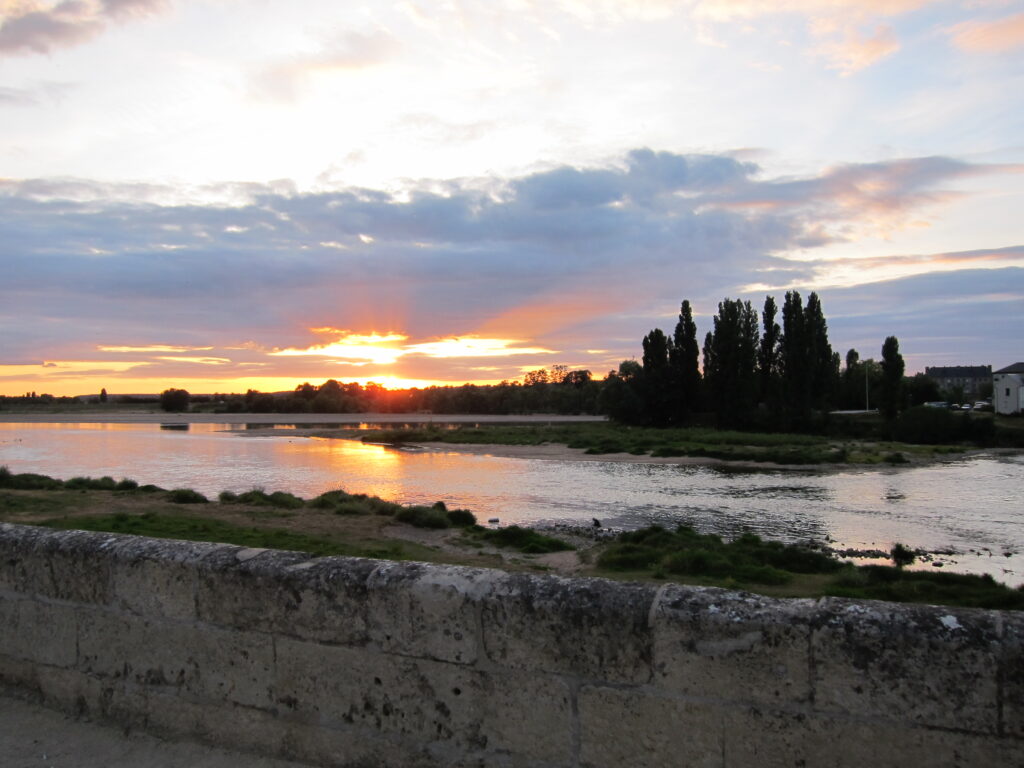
(202,529)
(526,540)
(879,582)
(600,438)
(186,496)
(28,481)
(656,552)
(685,552)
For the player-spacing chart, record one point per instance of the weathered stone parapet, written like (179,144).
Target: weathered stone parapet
(356,662)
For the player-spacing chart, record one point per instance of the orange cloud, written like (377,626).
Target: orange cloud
(989,36)
(386,349)
(152,348)
(856,51)
(548,314)
(372,348)
(745,9)
(473,346)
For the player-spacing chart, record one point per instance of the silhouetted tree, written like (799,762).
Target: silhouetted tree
(657,378)
(174,400)
(103,395)
(793,360)
(822,368)
(892,378)
(731,368)
(768,354)
(683,360)
(621,397)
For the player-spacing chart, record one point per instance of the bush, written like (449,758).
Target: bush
(901,555)
(461,518)
(186,496)
(91,484)
(227,497)
(174,400)
(423,517)
(525,540)
(27,481)
(127,485)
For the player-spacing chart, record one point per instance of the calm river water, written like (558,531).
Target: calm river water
(970,509)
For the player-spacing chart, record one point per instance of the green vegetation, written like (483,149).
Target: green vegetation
(257,497)
(340,523)
(606,437)
(525,540)
(436,516)
(186,496)
(686,552)
(191,528)
(750,562)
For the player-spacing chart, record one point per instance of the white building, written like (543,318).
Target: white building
(1008,389)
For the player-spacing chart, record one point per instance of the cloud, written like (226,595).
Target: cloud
(447,276)
(287,79)
(41,28)
(944,318)
(856,51)
(998,36)
(849,34)
(30,97)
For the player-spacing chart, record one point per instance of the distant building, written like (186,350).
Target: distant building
(969,377)
(1008,389)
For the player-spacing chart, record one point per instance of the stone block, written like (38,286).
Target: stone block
(848,743)
(631,727)
(350,746)
(912,664)
(196,661)
(1011,674)
(18,674)
(732,646)
(157,578)
(83,695)
(109,643)
(286,593)
(585,628)
(221,724)
(441,705)
(41,632)
(63,565)
(426,611)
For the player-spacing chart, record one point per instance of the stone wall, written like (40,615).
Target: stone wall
(351,662)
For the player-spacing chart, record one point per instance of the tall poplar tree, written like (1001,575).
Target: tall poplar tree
(822,369)
(793,359)
(683,360)
(731,376)
(892,378)
(657,378)
(768,353)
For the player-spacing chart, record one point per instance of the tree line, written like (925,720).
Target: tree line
(756,372)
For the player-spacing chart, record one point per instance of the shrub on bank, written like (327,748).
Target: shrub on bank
(186,496)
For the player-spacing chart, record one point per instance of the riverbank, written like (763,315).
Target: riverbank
(540,436)
(678,446)
(339,523)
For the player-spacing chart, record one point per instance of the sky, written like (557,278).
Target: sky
(220,195)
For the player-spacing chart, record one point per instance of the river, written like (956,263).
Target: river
(968,510)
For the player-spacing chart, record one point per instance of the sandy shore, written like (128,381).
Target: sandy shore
(558,452)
